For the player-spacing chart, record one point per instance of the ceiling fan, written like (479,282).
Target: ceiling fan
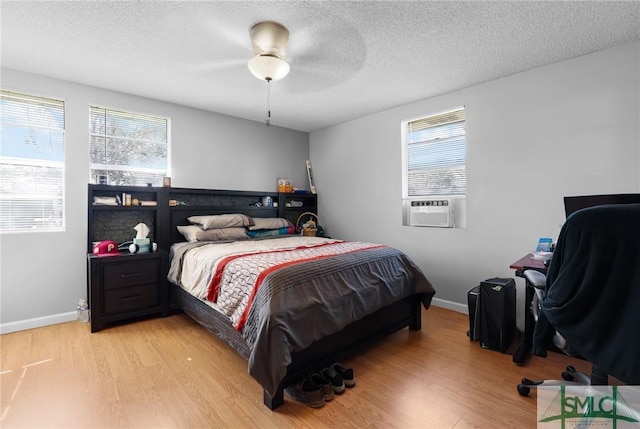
(269,39)
(321,53)
(307,55)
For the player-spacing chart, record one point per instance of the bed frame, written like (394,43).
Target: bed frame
(322,353)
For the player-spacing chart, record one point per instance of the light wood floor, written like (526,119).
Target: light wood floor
(172,373)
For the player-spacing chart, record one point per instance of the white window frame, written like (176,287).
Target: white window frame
(45,198)
(443,164)
(105,167)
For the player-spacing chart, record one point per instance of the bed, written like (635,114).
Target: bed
(288,303)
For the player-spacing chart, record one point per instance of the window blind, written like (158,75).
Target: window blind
(129,148)
(436,155)
(31,163)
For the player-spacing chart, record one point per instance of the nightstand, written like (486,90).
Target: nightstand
(126,286)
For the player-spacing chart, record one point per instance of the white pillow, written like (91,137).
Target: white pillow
(194,233)
(221,221)
(269,223)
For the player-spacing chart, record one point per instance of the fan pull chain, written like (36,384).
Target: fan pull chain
(268,122)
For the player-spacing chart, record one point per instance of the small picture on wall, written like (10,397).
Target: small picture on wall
(312,187)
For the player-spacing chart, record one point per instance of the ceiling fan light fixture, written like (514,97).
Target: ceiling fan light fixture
(269,40)
(268,67)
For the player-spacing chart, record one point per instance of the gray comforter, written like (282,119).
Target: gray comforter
(301,303)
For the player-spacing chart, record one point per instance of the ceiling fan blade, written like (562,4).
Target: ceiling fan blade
(322,68)
(213,66)
(320,57)
(211,46)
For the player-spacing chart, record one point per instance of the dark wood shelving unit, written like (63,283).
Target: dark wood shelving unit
(127,285)
(288,209)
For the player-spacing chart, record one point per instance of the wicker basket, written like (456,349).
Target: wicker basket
(310,227)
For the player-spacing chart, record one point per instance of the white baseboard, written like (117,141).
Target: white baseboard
(38,322)
(450,305)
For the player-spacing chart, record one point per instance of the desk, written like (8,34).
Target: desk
(521,265)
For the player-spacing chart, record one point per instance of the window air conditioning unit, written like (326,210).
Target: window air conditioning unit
(438,213)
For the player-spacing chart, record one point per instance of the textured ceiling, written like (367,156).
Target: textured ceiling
(348,59)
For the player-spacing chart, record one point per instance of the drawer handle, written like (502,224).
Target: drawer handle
(132,298)
(127,275)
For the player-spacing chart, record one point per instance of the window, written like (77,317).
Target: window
(128,148)
(436,155)
(31,163)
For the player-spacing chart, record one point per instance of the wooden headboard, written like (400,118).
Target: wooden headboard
(192,202)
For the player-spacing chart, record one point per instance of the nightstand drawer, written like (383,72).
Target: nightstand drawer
(130,274)
(130,298)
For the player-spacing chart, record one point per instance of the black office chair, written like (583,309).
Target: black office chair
(588,305)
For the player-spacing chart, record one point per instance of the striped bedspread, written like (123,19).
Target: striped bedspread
(237,278)
(283,294)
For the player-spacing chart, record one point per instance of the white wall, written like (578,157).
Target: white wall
(42,275)
(570,128)
(566,129)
